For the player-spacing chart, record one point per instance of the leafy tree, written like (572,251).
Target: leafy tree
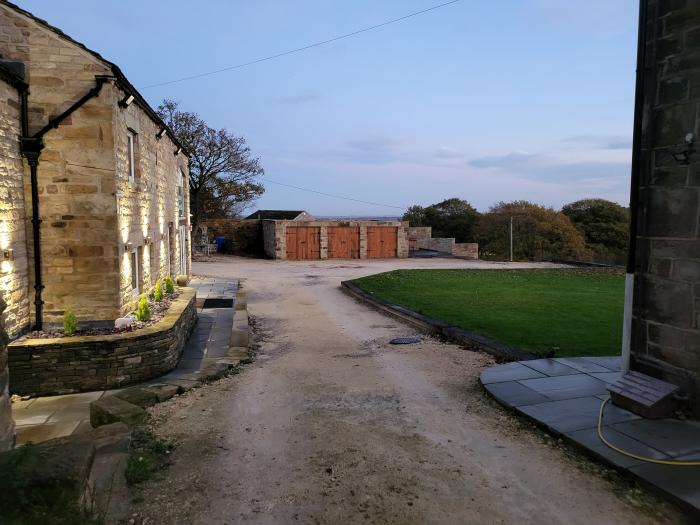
(605,225)
(223,173)
(449,218)
(415,215)
(539,233)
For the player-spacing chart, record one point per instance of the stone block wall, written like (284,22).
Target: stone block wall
(666,322)
(444,244)
(245,236)
(149,219)
(14,281)
(78,209)
(466,250)
(275,237)
(75,364)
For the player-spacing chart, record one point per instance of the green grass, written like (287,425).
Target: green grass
(572,312)
(147,455)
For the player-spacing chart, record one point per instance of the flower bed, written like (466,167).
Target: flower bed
(61,365)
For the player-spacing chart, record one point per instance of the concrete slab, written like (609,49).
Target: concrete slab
(515,394)
(40,433)
(675,437)
(588,439)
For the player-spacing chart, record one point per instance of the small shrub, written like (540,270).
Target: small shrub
(169,285)
(158,292)
(147,455)
(70,322)
(143,310)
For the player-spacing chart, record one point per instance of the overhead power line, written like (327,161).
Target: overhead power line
(303,48)
(335,196)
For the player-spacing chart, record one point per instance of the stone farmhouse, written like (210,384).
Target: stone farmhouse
(94,193)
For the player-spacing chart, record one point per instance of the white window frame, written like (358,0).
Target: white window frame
(181,195)
(130,145)
(135,271)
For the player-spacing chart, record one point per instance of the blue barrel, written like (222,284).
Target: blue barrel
(219,242)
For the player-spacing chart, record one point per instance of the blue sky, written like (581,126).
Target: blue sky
(483,100)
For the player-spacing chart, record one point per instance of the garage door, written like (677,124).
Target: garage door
(343,242)
(303,243)
(381,241)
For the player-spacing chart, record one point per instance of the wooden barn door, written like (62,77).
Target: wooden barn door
(381,242)
(343,242)
(303,243)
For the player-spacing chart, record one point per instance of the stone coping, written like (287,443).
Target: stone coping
(436,327)
(166,323)
(563,396)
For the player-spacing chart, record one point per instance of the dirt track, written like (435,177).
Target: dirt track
(333,425)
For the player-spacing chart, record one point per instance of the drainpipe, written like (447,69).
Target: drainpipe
(634,186)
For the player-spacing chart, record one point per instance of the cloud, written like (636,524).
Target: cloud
(300,98)
(602,141)
(553,169)
(446,152)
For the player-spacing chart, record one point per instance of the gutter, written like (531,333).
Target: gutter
(634,185)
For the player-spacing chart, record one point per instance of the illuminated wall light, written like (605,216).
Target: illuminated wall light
(126,101)
(8,254)
(178,150)
(161,133)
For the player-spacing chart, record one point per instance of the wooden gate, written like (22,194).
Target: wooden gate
(343,242)
(381,242)
(303,243)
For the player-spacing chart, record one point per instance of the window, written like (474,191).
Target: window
(130,145)
(134,271)
(181,195)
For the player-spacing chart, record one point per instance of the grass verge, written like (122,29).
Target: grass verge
(568,312)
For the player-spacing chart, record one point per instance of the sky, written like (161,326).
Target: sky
(483,100)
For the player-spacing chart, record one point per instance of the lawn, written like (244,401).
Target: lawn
(574,312)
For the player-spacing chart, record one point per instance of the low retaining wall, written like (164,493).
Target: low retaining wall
(466,250)
(76,364)
(463,337)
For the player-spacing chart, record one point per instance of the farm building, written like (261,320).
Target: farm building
(311,240)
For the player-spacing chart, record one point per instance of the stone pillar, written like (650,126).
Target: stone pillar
(7,425)
(363,241)
(666,314)
(323,242)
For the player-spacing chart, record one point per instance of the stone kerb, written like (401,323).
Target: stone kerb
(75,364)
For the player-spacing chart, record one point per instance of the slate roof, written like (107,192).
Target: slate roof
(275,215)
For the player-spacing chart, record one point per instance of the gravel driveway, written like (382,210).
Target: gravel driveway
(332,425)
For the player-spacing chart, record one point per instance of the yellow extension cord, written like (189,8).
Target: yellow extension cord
(671,462)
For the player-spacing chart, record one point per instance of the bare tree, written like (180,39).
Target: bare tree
(222,171)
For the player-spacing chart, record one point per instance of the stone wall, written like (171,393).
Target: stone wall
(149,219)
(275,238)
(438,244)
(14,282)
(75,364)
(244,237)
(666,323)
(466,250)
(7,426)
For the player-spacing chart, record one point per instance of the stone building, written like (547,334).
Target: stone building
(94,193)
(665,335)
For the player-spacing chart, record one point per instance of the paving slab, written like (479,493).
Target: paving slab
(41,433)
(568,415)
(676,437)
(566,387)
(550,367)
(573,413)
(515,394)
(509,372)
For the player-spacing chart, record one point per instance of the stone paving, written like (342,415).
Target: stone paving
(43,418)
(564,395)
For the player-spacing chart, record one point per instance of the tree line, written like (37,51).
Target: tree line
(595,230)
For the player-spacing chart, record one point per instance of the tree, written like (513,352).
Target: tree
(222,171)
(539,233)
(449,218)
(605,225)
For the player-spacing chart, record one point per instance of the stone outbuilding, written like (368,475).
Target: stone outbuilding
(313,240)
(94,188)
